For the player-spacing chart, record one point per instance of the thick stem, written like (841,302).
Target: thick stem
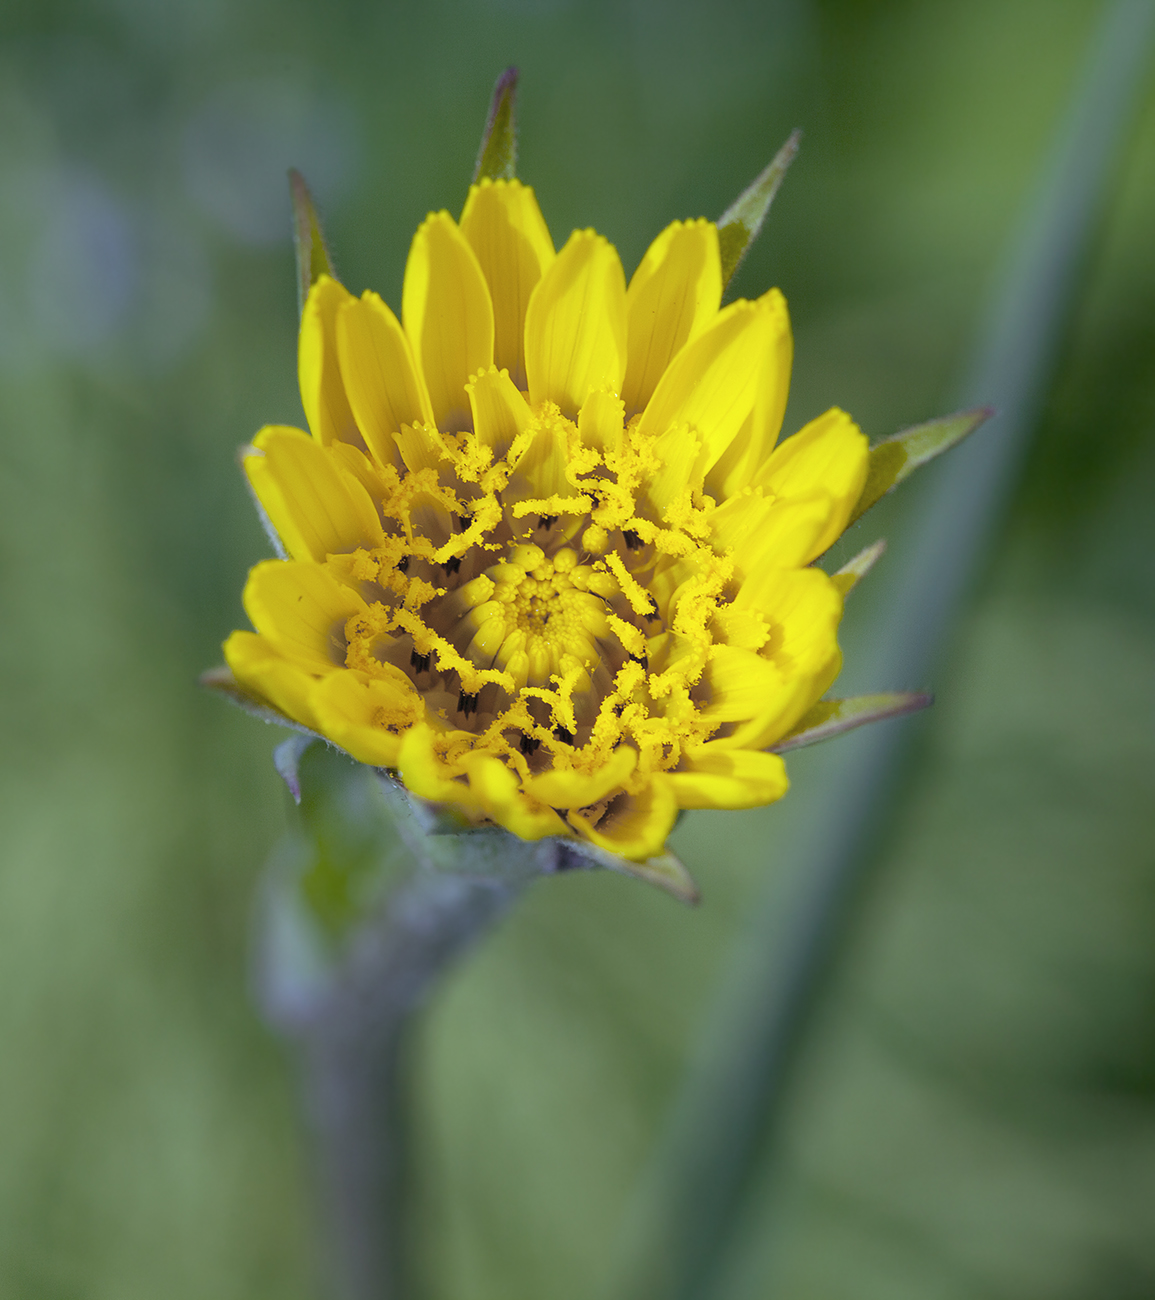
(726,1125)
(352,1031)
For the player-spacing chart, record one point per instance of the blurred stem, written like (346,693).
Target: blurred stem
(726,1123)
(352,1031)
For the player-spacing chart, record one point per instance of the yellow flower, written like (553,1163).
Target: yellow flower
(546,561)
(542,556)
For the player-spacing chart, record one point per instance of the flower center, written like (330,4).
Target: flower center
(540,600)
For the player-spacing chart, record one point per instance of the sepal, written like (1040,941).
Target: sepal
(739,225)
(313,260)
(898,456)
(287,761)
(497,157)
(830,718)
(857,567)
(665,871)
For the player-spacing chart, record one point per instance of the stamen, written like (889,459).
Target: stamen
(467,704)
(632,540)
(566,737)
(452,564)
(528,744)
(419,663)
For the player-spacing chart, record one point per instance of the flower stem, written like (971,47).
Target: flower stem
(353,1052)
(365,906)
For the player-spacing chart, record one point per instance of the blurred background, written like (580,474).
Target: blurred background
(975,1113)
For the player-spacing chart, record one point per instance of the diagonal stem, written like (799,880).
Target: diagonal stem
(728,1118)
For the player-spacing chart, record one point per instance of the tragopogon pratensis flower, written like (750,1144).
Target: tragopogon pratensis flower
(545,556)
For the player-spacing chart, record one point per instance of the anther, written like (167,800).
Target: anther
(419,663)
(632,540)
(403,564)
(566,737)
(643,659)
(653,610)
(528,744)
(546,521)
(463,521)
(452,564)
(466,703)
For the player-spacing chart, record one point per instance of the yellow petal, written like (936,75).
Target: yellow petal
(729,778)
(762,531)
(317,507)
(740,462)
(740,683)
(318,369)
(831,454)
(635,826)
(302,610)
(804,604)
(448,316)
(802,607)
(500,412)
(260,667)
(506,230)
(366,716)
(383,386)
(426,775)
(673,295)
(569,789)
(712,385)
(602,420)
(499,794)
(782,713)
(575,325)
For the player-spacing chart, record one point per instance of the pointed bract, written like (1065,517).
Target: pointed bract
(313,260)
(896,457)
(497,157)
(856,568)
(832,717)
(666,871)
(287,761)
(739,225)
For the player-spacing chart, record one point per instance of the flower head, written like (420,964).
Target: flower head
(543,553)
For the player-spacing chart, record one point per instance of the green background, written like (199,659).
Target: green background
(975,1116)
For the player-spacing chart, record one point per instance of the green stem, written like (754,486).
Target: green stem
(352,1045)
(727,1121)
(365,907)
(352,1048)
